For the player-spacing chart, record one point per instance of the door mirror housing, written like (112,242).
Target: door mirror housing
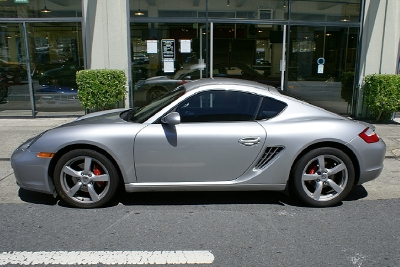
(172,118)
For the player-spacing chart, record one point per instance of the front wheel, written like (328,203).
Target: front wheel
(85,178)
(323,177)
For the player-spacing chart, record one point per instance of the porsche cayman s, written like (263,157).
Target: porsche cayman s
(210,135)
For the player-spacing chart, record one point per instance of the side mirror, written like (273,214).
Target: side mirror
(172,118)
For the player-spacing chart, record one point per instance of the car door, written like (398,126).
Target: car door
(217,140)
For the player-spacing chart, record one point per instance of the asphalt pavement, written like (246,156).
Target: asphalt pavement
(14,131)
(217,229)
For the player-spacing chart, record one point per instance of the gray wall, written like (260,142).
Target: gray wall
(380,41)
(107,35)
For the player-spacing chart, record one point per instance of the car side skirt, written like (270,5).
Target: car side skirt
(188,186)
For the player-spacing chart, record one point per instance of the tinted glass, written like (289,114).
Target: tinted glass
(56,54)
(214,106)
(322,10)
(322,63)
(270,108)
(146,112)
(40,9)
(14,86)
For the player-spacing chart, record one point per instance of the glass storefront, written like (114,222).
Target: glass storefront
(39,57)
(307,48)
(321,66)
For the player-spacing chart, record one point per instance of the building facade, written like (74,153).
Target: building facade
(316,50)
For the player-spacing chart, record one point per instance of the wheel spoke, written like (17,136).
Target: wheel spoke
(101,178)
(337,169)
(318,190)
(321,162)
(88,163)
(310,177)
(72,191)
(69,171)
(335,186)
(93,194)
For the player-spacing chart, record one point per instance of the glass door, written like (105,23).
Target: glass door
(321,67)
(248,51)
(56,55)
(15,96)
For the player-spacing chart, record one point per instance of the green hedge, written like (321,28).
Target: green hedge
(382,94)
(100,89)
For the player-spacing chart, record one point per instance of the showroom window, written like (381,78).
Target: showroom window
(40,9)
(308,48)
(41,48)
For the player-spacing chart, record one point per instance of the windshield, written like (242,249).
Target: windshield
(143,114)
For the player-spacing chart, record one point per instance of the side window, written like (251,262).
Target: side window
(270,108)
(214,106)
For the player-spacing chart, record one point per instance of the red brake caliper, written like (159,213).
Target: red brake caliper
(312,169)
(97,171)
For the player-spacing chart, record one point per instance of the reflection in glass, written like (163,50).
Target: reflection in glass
(41,9)
(56,55)
(14,88)
(333,11)
(321,66)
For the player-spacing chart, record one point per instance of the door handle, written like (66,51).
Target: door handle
(250,141)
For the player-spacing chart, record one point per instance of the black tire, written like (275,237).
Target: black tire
(85,178)
(323,177)
(155,93)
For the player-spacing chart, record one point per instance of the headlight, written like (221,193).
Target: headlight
(30,142)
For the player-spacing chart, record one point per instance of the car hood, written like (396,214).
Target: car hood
(101,117)
(101,129)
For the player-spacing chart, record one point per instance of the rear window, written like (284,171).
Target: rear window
(270,108)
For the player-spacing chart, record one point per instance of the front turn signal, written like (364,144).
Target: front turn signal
(45,155)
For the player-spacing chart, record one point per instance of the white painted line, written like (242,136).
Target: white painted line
(106,257)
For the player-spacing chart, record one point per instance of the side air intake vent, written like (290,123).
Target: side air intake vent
(269,154)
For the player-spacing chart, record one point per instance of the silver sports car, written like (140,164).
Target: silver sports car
(212,134)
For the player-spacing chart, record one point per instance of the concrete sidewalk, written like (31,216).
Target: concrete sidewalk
(15,131)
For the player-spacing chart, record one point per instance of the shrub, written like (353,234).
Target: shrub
(100,89)
(382,94)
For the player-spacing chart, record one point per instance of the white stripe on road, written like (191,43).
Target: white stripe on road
(106,257)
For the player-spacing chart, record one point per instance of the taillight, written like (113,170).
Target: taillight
(182,82)
(369,136)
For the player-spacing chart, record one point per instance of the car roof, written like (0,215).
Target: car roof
(192,85)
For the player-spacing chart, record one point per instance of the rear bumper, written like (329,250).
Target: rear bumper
(370,158)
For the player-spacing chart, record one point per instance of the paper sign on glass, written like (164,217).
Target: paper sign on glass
(152,46)
(320,68)
(168,66)
(186,46)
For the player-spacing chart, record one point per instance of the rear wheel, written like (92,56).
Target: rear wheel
(323,177)
(85,178)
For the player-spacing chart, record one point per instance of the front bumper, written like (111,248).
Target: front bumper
(31,172)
